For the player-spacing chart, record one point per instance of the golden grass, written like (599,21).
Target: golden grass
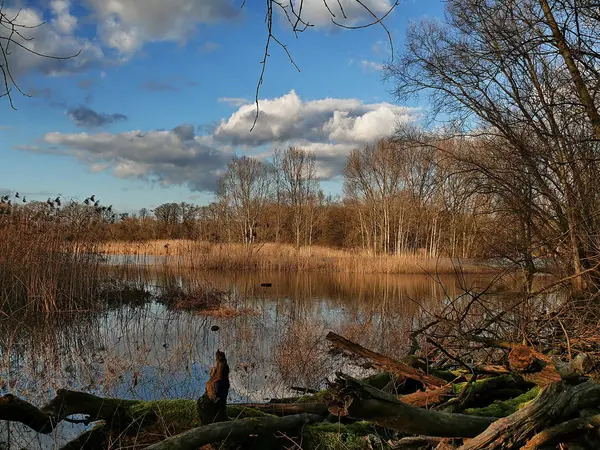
(284,257)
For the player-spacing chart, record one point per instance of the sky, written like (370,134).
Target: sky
(160,96)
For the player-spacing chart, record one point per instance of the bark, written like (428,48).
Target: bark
(556,403)
(553,434)
(212,406)
(215,432)
(351,397)
(382,362)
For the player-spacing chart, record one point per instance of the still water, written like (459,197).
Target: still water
(273,338)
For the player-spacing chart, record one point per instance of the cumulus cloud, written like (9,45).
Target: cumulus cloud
(85,117)
(347,12)
(171,157)
(330,128)
(126,25)
(289,118)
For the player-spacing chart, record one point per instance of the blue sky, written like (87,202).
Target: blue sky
(160,97)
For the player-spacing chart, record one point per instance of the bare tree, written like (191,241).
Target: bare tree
(520,79)
(14,36)
(299,187)
(247,188)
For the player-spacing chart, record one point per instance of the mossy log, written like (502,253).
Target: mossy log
(481,392)
(356,399)
(556,403)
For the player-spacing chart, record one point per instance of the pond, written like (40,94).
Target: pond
(273,337)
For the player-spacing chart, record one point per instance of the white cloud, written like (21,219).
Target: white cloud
(319,12)
(166,156)
(330,128)
(127,25)
(53,38)
(328,120)
(63,20)
(235,101)
(371,66)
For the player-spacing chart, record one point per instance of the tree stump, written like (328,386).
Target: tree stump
(213,403)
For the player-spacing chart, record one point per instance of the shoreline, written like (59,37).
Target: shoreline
(285,257)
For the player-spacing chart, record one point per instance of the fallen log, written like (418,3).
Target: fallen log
(66,403)
(222,431)
(287,409)
(553,434)
(481,392)
(556,403)
(385,363)
(353,398)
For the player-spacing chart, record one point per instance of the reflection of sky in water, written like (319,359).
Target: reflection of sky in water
(150,352)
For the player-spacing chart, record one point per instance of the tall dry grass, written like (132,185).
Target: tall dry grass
(284,257)
(44,268)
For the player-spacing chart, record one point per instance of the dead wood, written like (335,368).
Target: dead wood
(556,403)
(212,406)
(66,403)
(356,399)
(234,429)
(482,392)
(385,363)
(553,434)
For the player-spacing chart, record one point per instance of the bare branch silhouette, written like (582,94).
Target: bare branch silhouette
(12,34)
(293,13)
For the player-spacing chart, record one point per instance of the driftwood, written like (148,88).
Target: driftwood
(356,399)
(222,431)
(385,363)
(212,406)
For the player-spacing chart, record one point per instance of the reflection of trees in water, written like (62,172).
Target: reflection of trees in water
(150,352)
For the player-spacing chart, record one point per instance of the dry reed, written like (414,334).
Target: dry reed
(44,268)
(284,257)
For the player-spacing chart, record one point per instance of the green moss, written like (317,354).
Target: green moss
(506,407)
(182,412)
(331,436)
(313,398)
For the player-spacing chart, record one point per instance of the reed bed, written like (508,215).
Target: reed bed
(44,268)
(284,257)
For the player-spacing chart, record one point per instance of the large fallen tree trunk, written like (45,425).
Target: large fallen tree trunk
(356,399)
(558,402)
(383,362)
(192,439)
